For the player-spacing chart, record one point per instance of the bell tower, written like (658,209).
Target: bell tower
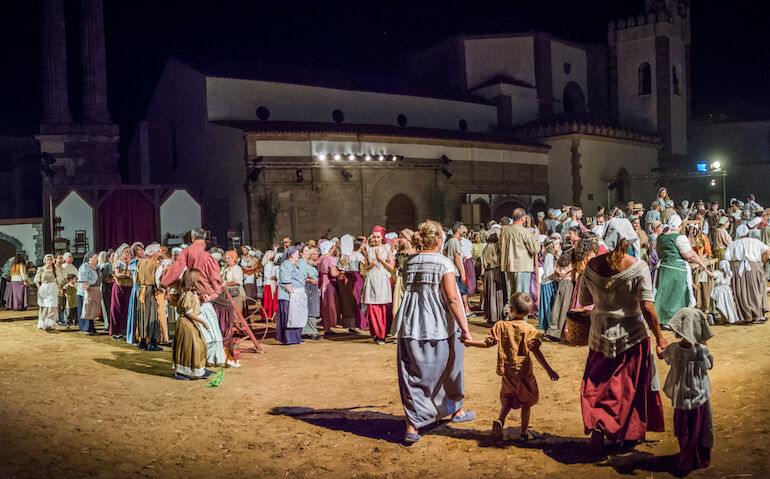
(649,69)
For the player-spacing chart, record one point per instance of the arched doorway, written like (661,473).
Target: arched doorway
(506,209)
(400,214)
(537,207)
(7,250)
(485,214)
(573,99)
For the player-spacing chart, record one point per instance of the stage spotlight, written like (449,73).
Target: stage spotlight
(395,158)
(337,157)
(381,158)
(345,175)
(445,159)
(446,173)
(367,158)
(352,157)
(322,157)
(300,178)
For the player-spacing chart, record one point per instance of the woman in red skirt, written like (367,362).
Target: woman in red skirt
(619,393)
(270,282)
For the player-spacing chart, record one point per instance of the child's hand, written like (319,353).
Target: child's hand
(553,375)
(659,351)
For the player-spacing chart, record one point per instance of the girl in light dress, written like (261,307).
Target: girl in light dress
(722,294)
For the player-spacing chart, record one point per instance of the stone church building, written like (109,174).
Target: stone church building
(475,127)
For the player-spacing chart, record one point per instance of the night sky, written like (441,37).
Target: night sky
(730,62)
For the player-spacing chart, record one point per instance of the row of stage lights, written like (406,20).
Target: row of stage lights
(351,157)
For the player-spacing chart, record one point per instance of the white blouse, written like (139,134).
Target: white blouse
(748,249)
(548,269)
(270,275)
(687,383)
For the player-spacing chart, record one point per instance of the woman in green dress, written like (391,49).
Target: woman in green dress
(673,278)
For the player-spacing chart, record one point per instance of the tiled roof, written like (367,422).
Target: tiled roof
(377,130)
(582,123)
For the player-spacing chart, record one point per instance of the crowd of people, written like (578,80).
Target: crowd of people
(680,267)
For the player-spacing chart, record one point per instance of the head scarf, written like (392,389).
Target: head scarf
(66,255)
(233,255)
(268,257)
(655,225)
(217,256)
(391,236)
(724,266)
(723,220)
(176,250)
(89,255)
(291,250)
(495,228)
(255,253)
(346,245)
(674,222)
(692,325)
(325,247)
(152,249)
(742,231)
(753,223)
(49,255)
(380,229)
(119,252)
(618,229)
(184,246)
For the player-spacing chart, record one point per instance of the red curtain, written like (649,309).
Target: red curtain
(124,217)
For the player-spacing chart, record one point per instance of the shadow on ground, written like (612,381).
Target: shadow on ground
(139,362)
(565,450)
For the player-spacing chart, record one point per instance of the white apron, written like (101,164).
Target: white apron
(297,309)
(48,295)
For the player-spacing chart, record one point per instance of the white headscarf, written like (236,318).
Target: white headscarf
(346,245)
(176,249)
(724,266)
(495,228)
(674,222)
(268,257)
(391,236)
(618,229)
(325,247)
(152,249)
(217,255)
(742,231)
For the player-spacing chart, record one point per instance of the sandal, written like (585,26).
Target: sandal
(411,438)
(527,436)
(469,416)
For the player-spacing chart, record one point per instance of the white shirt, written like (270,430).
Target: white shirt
(748,249)
(687,384)
(548,269)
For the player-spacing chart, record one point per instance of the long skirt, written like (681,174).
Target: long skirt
(131,312)
(92,306)
(616,395)
(313,300)
(121,296)
(561,304)
(226,316)
(547,296)
(160,298)
(215,352)
(17,296)
(430,378)
(494,298)
(695,431)
(146,315)
(673,292)
(399,287)
(750,291)
(48,303)
(189,349)
(269,300)
(470,276)
(329,313)
(349,291)
(106,298)
(379,316)
(284,334)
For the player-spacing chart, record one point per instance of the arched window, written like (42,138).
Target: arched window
(573,100)
(645,79)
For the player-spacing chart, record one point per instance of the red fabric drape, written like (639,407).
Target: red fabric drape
(124,217)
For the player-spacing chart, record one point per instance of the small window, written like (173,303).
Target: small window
(645,79)
(463,125)
(338,116)
(401,119)
(263,113)
(567,67)
(675,80)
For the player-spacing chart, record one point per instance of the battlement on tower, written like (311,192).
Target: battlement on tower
(647,25)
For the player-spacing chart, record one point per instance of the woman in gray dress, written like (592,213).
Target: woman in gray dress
(431,327)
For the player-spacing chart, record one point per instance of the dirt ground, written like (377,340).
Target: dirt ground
(79,406)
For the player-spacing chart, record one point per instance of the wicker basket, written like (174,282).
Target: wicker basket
(578,326)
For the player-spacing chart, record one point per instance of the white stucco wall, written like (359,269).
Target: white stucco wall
(26,234)
(76,214)
(486,58)
(559,171)
(565,53)
(230,99)
(638,112)
(602,159)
